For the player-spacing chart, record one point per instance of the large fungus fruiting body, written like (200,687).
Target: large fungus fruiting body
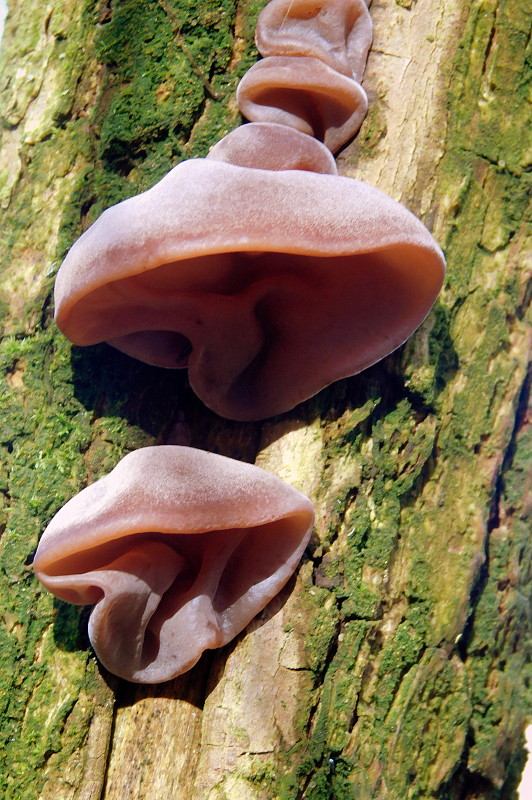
(259,269)
(178,549)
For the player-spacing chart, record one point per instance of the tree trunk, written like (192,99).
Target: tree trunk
(395,664)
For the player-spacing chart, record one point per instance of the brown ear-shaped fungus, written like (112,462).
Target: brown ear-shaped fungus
(306,94)
(268,145)
(259,268)
(315,53)
(268,285)
(338,32)
(178,549)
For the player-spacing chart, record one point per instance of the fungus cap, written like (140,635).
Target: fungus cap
(338,32)
(178,549)
(304,93)
(270,145)
(267,285)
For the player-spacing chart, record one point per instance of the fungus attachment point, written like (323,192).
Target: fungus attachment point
(178,549)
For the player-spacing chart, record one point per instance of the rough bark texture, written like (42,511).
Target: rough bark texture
(395,665)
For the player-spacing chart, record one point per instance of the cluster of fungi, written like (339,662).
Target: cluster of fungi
(268,276)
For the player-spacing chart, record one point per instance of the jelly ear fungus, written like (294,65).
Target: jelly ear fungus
(268,276)
(178,550)
(260,269)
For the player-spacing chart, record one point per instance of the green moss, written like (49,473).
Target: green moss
(351,428)
(214,124)
(365,514)
(152,99)
(66,420)
(399,655)
(503,142)
(427,727)
(320,608)
(429,360)
(483,165)
(260,774)
(330,781)
(48,443)
(497,659)
(249,55)
(373,129)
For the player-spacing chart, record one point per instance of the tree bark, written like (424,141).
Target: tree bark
(395,665)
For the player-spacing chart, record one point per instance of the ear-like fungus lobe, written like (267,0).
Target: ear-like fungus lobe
(268,285)
(314,55)
(258,268)
(178,549)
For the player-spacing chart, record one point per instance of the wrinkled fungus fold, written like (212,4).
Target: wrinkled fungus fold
(178,550)
(338,32)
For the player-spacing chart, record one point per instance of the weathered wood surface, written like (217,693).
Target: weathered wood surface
(395,665)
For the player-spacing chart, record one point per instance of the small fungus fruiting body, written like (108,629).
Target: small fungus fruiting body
(314,53)
(178,549)
(260,269)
